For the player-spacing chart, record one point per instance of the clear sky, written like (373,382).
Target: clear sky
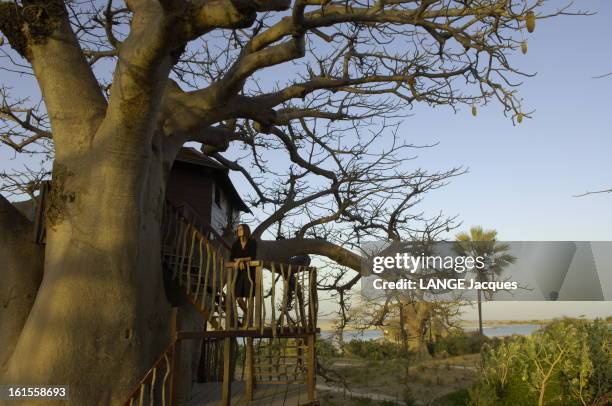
(522,178)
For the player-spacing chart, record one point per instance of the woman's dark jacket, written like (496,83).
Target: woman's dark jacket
(243,284)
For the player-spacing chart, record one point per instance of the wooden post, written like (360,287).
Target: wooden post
(273,302)
(249,369)
(228,359)
(248,314)
(299,298)
(176,357)
(312,364)
(229,298)
(258,298)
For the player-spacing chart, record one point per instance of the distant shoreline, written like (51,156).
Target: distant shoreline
(326,325)
(501,323)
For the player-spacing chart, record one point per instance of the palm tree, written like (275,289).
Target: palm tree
(480,242)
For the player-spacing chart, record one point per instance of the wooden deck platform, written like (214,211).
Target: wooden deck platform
(209,394)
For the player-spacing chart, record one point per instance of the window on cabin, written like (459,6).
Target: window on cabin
(231,216)
(217,195)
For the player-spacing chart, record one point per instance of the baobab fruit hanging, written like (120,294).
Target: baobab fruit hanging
(530,21)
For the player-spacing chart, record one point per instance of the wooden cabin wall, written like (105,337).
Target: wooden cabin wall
(188,184)
(220,214)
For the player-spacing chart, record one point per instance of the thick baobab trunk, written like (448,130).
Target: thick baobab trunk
(21,266)
(415,322)
(403,331)
(100,317)
(191,350)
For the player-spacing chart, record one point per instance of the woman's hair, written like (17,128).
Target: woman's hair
(246,228)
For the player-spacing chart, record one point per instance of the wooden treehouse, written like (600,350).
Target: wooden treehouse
(276,322)
(258,349)
(201,187)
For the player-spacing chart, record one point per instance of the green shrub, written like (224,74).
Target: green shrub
(373,350)
(568,362)
(459,343)
(326,349)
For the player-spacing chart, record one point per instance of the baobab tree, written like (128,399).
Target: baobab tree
(124,85)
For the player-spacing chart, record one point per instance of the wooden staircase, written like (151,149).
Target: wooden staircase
(280,314)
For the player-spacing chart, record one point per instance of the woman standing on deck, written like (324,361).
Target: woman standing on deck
(244,250)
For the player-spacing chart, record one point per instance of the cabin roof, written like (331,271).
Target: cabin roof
(193,157)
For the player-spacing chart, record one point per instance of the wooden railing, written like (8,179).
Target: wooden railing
(281,299)
(211,360)
(196,264)
(155,388)
(193,217)
(157,385)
